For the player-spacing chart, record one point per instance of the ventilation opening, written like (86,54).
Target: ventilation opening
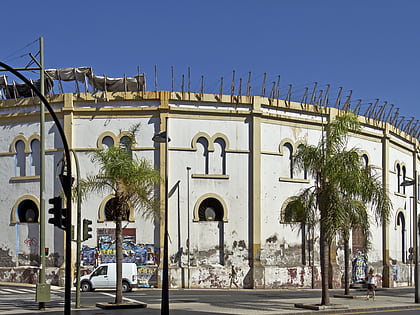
(210,210)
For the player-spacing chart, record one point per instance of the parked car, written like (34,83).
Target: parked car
(105,277)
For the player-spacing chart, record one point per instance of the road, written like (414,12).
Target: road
(20,300)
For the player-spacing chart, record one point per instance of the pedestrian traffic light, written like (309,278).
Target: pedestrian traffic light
(59,218)
(87,229)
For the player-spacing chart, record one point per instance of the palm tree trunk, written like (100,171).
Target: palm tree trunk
(346,265)
(324,261)
(118,252)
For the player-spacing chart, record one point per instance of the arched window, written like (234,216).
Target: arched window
(398,178)
(401,224)
(107,142)
(203,149)
(404,172)
(126,142)
(27,212)
(35,158)
(218,157)
(111,208)
(20,158)
(210,210)
(288,154)
(365,160)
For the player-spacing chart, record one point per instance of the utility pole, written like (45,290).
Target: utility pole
(42,288)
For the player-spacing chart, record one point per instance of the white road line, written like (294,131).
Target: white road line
(14,291)
(124,298)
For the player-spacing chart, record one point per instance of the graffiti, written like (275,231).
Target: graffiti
(359,268)
(147,276)
(30,241)
(145,256)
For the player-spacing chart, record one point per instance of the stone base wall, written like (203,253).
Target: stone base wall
(30,274)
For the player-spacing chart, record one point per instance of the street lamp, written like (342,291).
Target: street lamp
(162,137)
(66,183)
(413,182)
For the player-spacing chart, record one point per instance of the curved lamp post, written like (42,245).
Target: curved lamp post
(414,183)
(162,137)
(66,183)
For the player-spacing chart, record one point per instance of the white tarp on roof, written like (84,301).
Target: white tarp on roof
(117,84)
(101,83)
(70,74)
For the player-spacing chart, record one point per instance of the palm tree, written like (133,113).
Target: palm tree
(342,189)
(132,182)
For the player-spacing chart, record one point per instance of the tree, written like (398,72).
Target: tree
(131,180)
(343,188)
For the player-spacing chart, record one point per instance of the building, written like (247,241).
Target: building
(229,173)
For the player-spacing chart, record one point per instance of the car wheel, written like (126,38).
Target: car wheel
(85,286)
(126,286)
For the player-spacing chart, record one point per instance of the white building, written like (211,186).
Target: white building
(229,176)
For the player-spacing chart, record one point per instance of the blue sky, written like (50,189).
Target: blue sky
(370,47)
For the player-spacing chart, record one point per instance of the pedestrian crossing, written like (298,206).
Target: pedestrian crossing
(26,291)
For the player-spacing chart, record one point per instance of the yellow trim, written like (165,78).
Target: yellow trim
(16,139)
(210,176)
(13,213)
(103,135)
(204,197)
(294,180)
(283,143)
(101,211)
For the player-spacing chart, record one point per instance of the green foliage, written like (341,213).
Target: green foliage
(344,187)
(130,179)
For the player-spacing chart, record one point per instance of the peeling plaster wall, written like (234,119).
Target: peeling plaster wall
(292,277)
(217,251)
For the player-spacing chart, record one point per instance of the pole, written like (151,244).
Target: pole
(415,240)
(165,276)
(41,304)
(78,230)
(188,225)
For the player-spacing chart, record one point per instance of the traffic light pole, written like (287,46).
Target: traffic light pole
(66,186)
(78,229)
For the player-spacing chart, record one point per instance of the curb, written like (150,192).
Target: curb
(113,306)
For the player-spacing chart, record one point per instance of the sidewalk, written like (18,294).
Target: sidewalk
(383,301)
(260,301)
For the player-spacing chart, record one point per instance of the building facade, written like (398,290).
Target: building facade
(230,173)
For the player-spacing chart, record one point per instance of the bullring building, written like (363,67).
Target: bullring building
(230,174)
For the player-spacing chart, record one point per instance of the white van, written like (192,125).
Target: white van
(105,277)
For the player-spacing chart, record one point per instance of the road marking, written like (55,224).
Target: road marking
(14,291)
(384,310)
(124,298)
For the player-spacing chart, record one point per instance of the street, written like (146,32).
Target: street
(21,300)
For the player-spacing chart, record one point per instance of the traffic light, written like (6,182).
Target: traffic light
(87,229)
(59,219)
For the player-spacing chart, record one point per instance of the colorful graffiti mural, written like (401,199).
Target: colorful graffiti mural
(360,265)
(145,256)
